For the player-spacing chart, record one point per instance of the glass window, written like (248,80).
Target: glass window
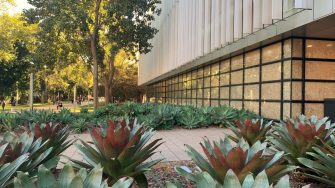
(194,84)
(252,58)
(296,90)
(296,109)
(200,72)
(297,48)
(319,91)
(207,82)
(287,91)
(236,104)
(251,75)
(271,110)
(271,53)
(320,49)
(271,91)
(251,91)
(194,74)
(237,77)
(200,82)
(207,93)
(199,103)
(194,93)
(199,93)
(287,110)
(215,93)
(224,92)
(215,80)
(287,48)
(237,62)
(314,109)
(207,71)
(320,70)
(224,102)
(207,102)
(214,102)
(271,72)
(224,79)
(252,106)
(236,92)
(215,68)
(225,67)
(189,94)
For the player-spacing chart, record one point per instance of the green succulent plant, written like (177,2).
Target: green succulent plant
(241,158)
(251,130)
(206,116)
(8,121)
(190,118)
(67,179)
(63,117)
(203,179)
(297,136)
(322,162)
(122,149)
(224,115)
(8,169)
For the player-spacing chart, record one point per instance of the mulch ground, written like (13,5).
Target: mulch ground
(165,172)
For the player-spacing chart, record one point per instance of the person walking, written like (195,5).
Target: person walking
(3,104)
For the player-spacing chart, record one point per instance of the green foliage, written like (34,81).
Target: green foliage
(8,121)
(203,179)
(321,162)
(206,116)
(64,117)
(241,158)
(224,115)
(297,136)
(251,130)
(121,149)
(7,170)
(67,179)
(189,117)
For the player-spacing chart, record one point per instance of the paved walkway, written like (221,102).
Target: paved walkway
(173,148)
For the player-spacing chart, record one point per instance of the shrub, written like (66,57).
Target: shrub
(121,149)
(7,169)
(242,159)
(67,179)
(297,136)
(251,130)
(322,162)
(203,179)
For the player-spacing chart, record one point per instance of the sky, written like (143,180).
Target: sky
(20,5)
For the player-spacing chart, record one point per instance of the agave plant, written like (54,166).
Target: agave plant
(297,136)
(251,130)
(8,121)
(67,179)
(7,170)
(63,117)
(242,159)
(206,116)
(203,179)
(121,149)
(224,115)
(322,162)
(190,118)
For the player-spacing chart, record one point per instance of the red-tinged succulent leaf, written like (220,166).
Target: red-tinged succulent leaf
(256,126)
(236,159)
(37,132)
(214,162)
(219,155)
(121,138)
(321,132)
(135,139)
(273,170)
(308,131)
(241,127)
(111,124)
(96,135)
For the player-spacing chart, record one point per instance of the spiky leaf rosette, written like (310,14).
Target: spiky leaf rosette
(241,158)
(297,136)
(67,179)
(121,150)
(322,162)
(44,147)
(7,169)
(251,130)
(203,179)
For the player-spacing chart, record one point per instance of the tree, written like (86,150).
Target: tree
(4,4)
(105,27)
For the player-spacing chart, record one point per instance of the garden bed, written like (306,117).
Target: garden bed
(165,172)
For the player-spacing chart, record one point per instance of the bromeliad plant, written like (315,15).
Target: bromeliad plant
(203,179)
(297,136)
(242,159)
(121,149)
(251,130)
(7,169)
(322,162)
(67,179)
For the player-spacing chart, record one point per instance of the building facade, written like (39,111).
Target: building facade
(274,57)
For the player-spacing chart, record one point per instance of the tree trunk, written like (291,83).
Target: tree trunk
(94,41)
(107,94)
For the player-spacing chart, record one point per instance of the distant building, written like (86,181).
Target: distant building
(274,57)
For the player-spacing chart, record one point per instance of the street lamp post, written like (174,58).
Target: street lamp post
(31,90)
